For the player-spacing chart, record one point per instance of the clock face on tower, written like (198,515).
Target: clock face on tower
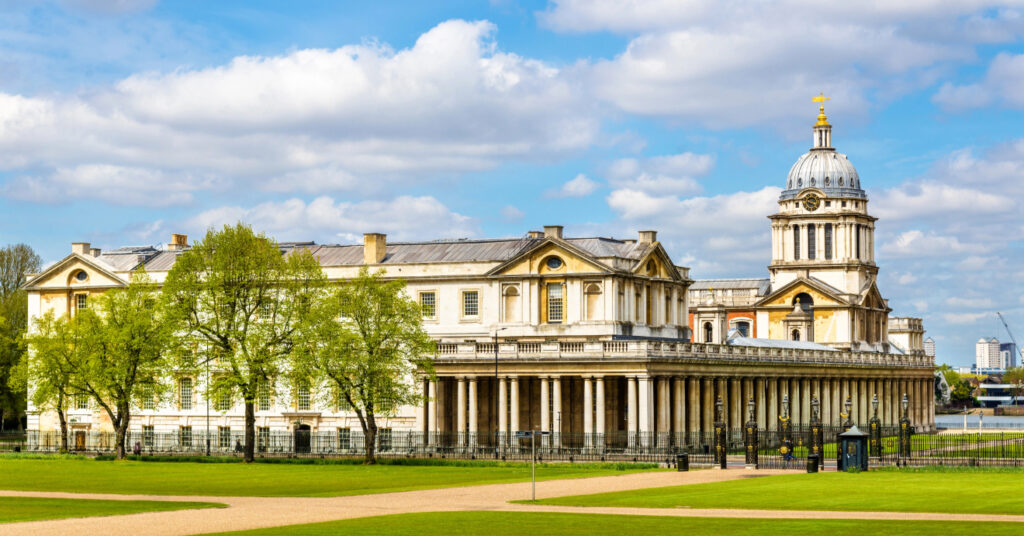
(812,202)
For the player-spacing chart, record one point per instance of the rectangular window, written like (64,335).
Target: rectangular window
(470,303)
(340,402)
(302,399)
(857,245)
(555,302)
(81,401)
(185,393)
(812,241)
(344,438)
(384,439)
(796,242)
(428,304)
(224,437)
(828,241)
(148,437)
(148,397)
(185,436)
(262,438)
(81,301)
(263,397)
(224,400)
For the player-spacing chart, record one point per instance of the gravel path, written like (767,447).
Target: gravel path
(258,512)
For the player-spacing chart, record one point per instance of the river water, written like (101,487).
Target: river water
(988,421)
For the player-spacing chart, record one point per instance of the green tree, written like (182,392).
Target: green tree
(125,334)
(15,262)
(56,347)
(235,294)
(365,339)
(1015,376)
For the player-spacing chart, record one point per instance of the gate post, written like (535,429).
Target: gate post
(750,436)
(785,431)
(720,432)
(875,429)
(816,441)
(906,431)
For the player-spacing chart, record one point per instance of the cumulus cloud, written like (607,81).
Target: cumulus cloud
(116,185)
(1001,83)
(970,303)
(356,117)
(672,174)
(324,219)
(512,214)
(579,186)
(914,200)
(917,243)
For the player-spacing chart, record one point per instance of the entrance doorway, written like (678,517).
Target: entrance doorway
(302,433)
(79,440)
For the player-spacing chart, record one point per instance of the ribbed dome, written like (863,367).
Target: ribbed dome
(826,170)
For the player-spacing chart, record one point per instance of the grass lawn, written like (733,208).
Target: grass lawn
(880,491)
(514,523)
(14,509)
(264,480)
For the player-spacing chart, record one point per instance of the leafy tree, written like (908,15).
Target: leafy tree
(236,294)
(1015,377)
(56,349)
(15,262)
(365,339)
(126,334)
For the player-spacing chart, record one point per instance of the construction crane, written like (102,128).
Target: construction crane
(1010,333)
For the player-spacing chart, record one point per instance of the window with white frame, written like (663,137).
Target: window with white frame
(263,397)
(185,436)
(302,402)
(148,437)
(384,439)
(81,301)
(428,304)
(262,438)
(81,401)
(148,396)
(224,437)
(470,303)
(344,438)
(556,303)
(224,400)
(185,393)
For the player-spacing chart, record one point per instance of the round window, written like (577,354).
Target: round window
(81,276)
(554,263)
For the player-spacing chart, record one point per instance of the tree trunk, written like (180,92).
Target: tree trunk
(250,431)
(121,432)
(370,440)
(63,428)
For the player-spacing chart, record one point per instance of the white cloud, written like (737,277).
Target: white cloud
(969,303)
(912,201)
(906,279)
(324,219)
(114,184)
(917,243)
(1001,83)
(357,117)
(672,174)
(965,318)
(512,214)
(579,186)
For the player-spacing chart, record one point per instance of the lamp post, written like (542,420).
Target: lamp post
(494,395)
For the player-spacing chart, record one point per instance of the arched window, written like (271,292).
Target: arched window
(796,335)
(592,293)
(511,308)
(709,332)
(812,241)
(744,328)
(805,300)
(796,242)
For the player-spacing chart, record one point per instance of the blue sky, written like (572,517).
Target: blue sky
(122,121)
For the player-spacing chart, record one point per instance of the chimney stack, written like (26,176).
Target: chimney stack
(375,247)
(535,234)
(552,231)
(178,242)
(81,248)
(648,237)
(95,252)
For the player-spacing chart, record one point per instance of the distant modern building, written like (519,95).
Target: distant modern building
(986,354)
(1008,354)
(906,333)
(929,347)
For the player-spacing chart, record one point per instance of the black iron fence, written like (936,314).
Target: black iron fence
(774,448)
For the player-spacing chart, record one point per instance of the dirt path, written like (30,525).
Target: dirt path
(257,512)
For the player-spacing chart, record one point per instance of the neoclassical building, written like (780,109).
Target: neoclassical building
(588,338)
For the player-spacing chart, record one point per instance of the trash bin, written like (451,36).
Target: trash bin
(812,463)
(682,462)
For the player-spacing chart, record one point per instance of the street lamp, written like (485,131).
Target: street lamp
(494,395)
(874,405)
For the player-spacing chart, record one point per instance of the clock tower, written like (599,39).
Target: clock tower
(823,251)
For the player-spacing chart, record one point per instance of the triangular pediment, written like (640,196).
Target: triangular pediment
(533,261)
(872,298)
(821,293)
(64,274)
(656,263)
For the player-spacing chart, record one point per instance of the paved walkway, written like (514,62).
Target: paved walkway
(258,512)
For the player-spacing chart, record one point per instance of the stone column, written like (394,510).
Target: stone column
(460,412)
(678,409)
(556,411)
(855,400)
(432,428)
(588,411)
(421,408)
(826,401)
(645,415)
(707,407)
(929,416)
(794,403)
(759,399)
(773,404)
(693,406)
(664,410)
(865,403)
(502,436)
(837,400)
(806,392)
(473,440)
(601,428)
(631,411)
(735,404)
(545,410)
(513,387)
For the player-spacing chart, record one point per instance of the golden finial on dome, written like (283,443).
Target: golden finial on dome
(822,120)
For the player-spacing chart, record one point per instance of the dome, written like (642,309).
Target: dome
(826,170)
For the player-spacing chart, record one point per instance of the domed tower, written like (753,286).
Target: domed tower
(823,238)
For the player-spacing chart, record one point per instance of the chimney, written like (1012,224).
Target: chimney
(95,252)
(535,234)
(648,237)
(178,242)
(81,248)
(552,231)
(375,247)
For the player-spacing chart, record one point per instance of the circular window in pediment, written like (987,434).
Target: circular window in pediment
(554,263)
(81,275)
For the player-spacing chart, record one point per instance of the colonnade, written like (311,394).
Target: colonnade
(651,408)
